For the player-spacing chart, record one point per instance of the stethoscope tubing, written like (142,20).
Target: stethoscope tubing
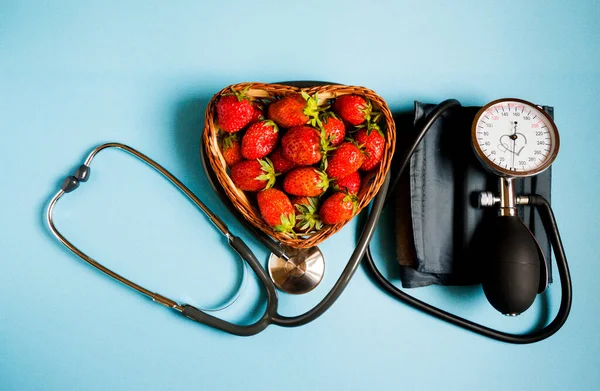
(550,226)
(269,242)
(270,316)
(362,250)
(82,175)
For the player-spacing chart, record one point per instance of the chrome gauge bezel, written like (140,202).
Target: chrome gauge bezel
(507,173)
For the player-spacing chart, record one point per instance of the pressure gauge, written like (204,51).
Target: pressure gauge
(514,138)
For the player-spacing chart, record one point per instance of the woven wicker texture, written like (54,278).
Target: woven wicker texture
(245,203)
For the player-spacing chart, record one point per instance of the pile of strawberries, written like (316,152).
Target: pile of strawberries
(303,161)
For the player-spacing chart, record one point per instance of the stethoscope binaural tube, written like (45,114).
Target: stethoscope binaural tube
(82,174)
(550,226)
(270,315)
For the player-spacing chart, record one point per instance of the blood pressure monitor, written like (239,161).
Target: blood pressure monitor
(514,138)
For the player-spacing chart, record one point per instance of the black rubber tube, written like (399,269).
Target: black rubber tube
(271,316)
(551,229)
(362,247)
(197,315)
(425,124)
(349,270)
(271,244)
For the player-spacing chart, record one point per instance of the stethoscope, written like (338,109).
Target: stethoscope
(283,256)
(270,316)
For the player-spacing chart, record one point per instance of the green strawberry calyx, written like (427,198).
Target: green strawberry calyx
(309,220)
(371,120)
(312,109)
(361,147)
(375,116)
(271,124)
(324,180)
(325,115)
(240,95)
(351,198)
(269,172)
(367,110)
(228,140)
(288,221)
(370,126)
(324,163)
(326,147)
(326,141)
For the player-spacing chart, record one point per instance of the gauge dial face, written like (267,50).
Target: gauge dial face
(514,138)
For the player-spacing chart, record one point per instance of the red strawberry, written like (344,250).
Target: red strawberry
(350,183)
(307,219)
(260,139)
(305,181)
(281,164)
(294,110)
(374,143)
(335,129)
(276,209)
(234,111)
(302,145)
(259,112)
(231,149)
(253,175)
(338,207)
(346,159)
(353,109)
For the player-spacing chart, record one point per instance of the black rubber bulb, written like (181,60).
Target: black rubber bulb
(510,264)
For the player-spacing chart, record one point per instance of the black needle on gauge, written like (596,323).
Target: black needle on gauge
(514,139)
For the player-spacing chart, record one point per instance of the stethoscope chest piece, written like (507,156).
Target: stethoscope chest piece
(301,273)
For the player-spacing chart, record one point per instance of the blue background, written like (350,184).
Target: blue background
(76,74)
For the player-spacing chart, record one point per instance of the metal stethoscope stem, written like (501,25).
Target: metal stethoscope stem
(82,175)
(271,315)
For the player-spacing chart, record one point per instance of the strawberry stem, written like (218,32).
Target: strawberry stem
(308,220)
(272,124)
(324,184)
(228,140)
(270,175)
(351,198)
(240,95)
(312,109)
(288,221)
(367,110)
(326,147)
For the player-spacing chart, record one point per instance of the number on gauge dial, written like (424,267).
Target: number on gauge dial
(515,136)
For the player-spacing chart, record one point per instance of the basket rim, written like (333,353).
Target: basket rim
(239,200)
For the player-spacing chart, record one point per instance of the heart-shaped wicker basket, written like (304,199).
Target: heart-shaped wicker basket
(246,204)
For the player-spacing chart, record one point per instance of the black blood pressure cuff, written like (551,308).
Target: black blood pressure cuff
(436,204)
